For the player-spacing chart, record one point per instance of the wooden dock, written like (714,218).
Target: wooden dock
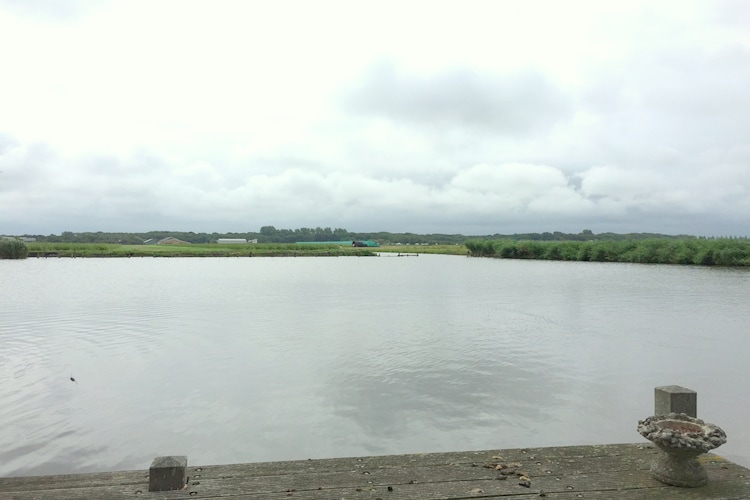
(618,471)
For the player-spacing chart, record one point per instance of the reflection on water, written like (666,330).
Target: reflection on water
(239,360)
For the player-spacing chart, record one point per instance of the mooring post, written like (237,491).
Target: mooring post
(167,473)
(675,399)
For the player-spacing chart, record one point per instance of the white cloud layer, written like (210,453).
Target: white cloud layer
(479,118)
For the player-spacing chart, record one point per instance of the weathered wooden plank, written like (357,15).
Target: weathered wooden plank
(432,481)
(458,485)
(415,469)
(719,490)
(90,480)
(345,463)
(604,471)
(604,485)
(113,492)
(662,492)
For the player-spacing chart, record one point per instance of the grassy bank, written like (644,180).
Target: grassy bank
(205,250)
(435,249)
(687,251)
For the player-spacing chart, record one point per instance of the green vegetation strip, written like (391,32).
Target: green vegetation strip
(207,250)
(435,249)
(687,251)
(13,249)
(684,251)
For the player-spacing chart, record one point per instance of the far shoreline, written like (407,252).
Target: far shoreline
(686,252)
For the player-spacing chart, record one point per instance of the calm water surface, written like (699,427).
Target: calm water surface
(240,360)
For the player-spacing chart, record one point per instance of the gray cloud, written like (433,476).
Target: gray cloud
(142,192)
(735,13)
(513,104)
(684,101)
(632,119)
(6,142)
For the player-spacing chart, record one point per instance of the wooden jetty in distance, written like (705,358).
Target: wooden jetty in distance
(611,471)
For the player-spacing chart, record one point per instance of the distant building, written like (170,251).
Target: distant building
(232,241)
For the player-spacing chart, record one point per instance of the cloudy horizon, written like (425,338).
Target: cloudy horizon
(471,118)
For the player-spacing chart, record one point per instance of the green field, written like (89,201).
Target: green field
(194,250)
(50,249)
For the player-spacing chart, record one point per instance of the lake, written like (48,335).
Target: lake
(231,360)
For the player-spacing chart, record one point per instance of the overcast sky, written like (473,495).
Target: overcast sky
(466,117)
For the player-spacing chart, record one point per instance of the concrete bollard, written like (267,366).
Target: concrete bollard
(675,399)
(167,473)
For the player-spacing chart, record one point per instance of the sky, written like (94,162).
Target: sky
(459,117)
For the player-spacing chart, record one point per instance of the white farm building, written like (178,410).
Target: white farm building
(232,241)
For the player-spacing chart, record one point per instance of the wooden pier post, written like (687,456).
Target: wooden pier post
(167,473)
(675,399)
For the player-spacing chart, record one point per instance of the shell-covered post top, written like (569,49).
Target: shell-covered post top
(677,430)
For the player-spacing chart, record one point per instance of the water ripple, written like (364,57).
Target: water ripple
(236,360)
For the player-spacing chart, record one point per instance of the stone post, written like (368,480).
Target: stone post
(675,399)
(167,473)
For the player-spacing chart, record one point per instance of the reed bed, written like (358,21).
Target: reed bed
(687,251)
